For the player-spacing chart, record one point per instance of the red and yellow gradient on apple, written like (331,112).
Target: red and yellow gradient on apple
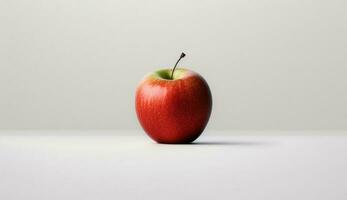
(173,106)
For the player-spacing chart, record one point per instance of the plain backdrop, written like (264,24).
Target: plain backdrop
(75,64)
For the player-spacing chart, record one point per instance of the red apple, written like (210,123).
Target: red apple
(173,106)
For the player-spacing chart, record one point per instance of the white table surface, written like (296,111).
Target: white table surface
(97,165)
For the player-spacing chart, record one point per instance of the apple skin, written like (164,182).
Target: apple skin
(173,111)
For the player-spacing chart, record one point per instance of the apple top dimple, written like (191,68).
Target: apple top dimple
(165,74)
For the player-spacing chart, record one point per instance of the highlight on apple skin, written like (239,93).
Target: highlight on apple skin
(173,106)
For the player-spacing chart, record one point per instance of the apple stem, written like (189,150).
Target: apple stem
(173,70)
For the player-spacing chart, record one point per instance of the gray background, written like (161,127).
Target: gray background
(73,64)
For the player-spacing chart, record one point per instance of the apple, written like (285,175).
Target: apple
(173,106)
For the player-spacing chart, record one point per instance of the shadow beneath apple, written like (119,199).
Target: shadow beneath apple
(226,143)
